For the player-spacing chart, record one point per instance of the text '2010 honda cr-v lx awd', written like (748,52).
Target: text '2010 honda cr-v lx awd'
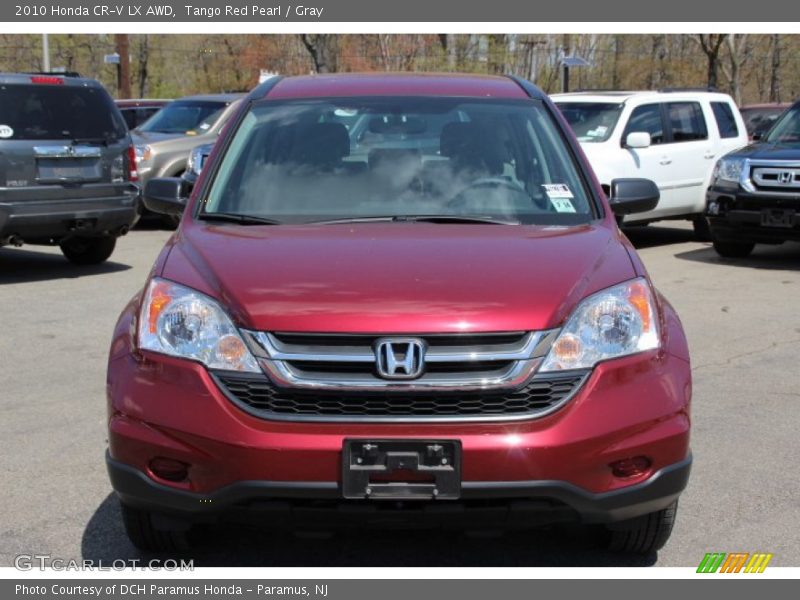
(399,298)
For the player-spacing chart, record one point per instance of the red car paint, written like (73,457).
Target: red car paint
(458,278)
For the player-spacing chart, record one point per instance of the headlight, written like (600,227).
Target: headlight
(142,153)
(614,322)
(197,158)
(728,169)
(179,321)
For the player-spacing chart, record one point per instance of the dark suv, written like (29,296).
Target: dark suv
(754,196)
(67,167)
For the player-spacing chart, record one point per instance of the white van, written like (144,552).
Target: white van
(673,137)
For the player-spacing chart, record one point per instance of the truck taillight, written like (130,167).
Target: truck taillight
(133,174)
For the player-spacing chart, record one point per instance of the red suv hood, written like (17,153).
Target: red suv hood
(397,277)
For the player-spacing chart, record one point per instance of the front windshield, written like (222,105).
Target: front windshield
(591,121)
(318,160)
(182,117)
(787,129)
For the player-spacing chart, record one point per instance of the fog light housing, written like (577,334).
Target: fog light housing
(631,467)
(169,469)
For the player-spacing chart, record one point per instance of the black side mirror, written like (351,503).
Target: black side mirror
(630,196)
(165,195)
(757,136)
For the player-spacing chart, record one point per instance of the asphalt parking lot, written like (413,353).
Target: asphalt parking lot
(744,495)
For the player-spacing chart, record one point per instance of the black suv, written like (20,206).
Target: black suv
(67,168)
(754,196)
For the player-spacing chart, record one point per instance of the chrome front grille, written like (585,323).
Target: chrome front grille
(777,177)
(349,362)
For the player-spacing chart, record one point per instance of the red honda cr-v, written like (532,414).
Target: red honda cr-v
(399,297)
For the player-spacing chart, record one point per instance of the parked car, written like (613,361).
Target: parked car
(164,142)
(137,111)
(753,198)
(758,118)
(67,169)
(449,336)
(671,137)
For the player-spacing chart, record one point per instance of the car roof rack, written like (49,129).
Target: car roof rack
(708,88)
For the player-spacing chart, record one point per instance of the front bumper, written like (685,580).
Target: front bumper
(740,219)
(547,501)
(165,407)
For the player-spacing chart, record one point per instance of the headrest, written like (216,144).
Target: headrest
(319,144)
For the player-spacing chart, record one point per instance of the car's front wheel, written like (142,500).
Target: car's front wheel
(644,534)
(88,250)
(148,535)
(734,249)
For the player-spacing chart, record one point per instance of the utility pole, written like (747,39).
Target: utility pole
(45,52)
(124,66)
(564,65)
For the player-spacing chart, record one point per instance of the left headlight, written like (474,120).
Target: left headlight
(180,321)
(614,322)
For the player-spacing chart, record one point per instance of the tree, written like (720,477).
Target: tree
(711,44)
(324,51)
(739,51)
(775,72)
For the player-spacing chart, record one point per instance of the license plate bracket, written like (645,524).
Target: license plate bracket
(777,217)
(369,468)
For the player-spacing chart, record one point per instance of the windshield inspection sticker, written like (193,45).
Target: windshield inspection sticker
(560,197)
(6,131)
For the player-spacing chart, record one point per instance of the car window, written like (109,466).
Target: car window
(646,118)
(46,112)
(182,116)
(296,161)
(726,123)
(592,122)
(686,121)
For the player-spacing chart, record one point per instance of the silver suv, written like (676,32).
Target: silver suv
(67,168)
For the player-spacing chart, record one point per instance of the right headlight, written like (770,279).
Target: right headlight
(728,170)
(182,322)
(614,322)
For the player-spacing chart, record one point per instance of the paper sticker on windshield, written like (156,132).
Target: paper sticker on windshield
(599,131)
(6,131)
(557,190)
(562,205)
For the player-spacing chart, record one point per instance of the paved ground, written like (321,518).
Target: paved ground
(744,330)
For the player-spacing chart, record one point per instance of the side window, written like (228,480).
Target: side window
(726,123)
(687,121)
(646,118)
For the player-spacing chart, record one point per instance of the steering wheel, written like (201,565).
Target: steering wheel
(459,200)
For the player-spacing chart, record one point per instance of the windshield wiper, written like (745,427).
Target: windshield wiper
(237,218)
(420,219)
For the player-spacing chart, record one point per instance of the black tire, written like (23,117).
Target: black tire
(645,534)
(702,230)
(146,536)
(734,249)
(88,250)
